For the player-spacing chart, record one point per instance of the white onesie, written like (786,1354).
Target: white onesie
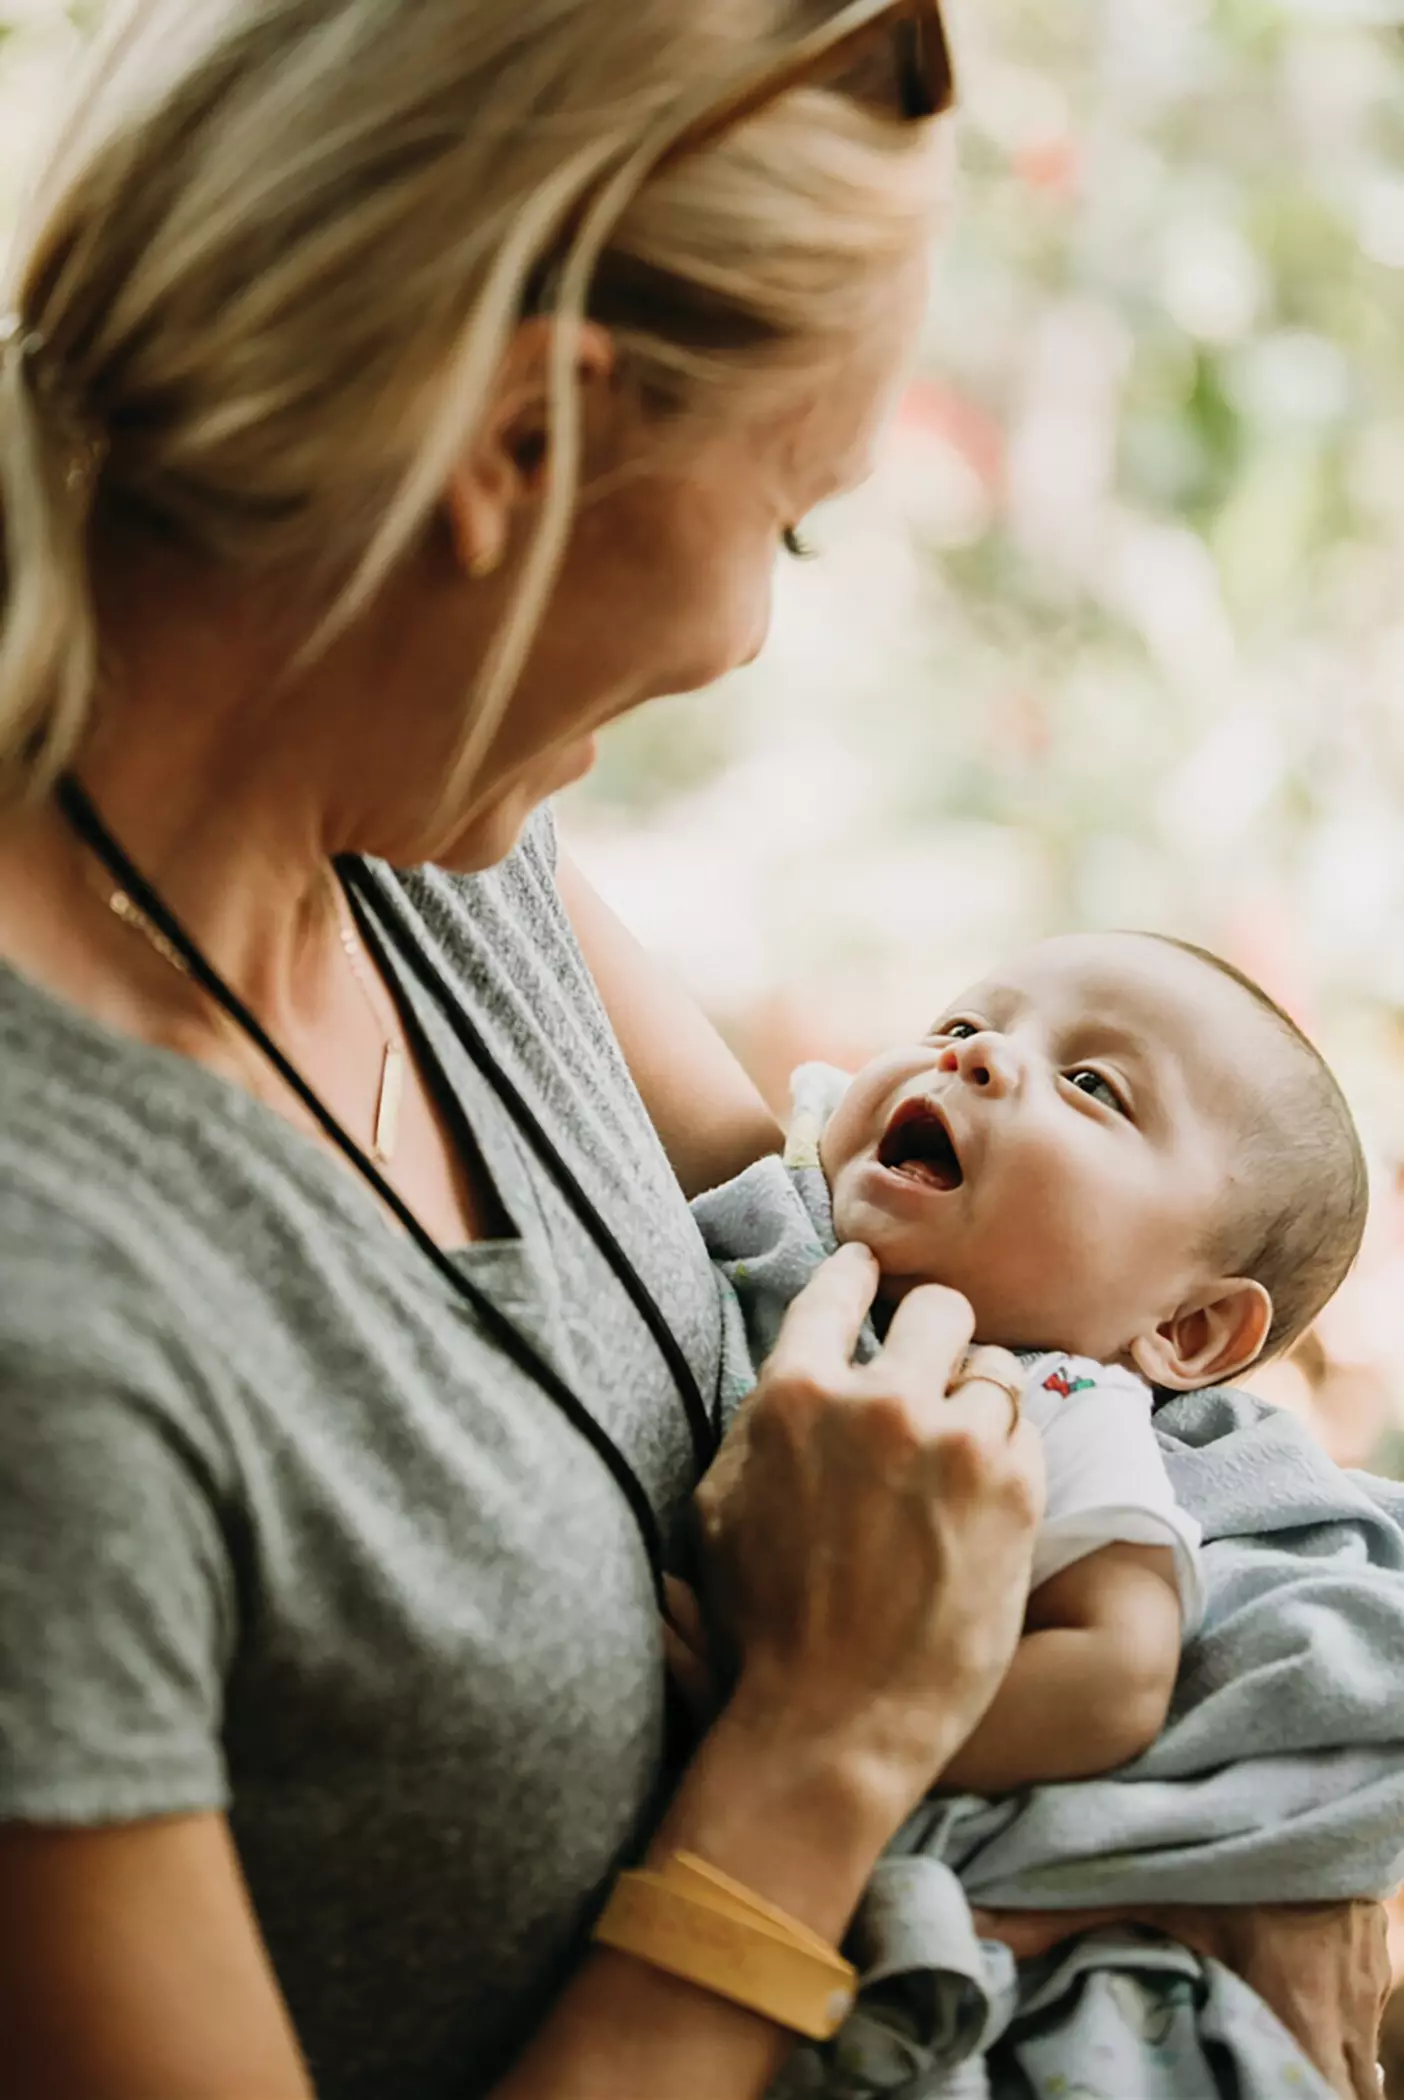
(1107,1483)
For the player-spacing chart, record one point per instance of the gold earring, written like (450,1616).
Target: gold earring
(484,563)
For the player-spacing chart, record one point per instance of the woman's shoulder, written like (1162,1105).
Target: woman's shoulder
(150,1213)
(96,1250)
(118,1605)
(101,1135)
(80,1110)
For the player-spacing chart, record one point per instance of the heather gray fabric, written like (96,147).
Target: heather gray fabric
(278,1532)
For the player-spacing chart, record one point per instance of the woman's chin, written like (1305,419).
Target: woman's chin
(559,767)
(493,831)
(579,758)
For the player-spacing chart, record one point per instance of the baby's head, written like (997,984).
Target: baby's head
(1118,1147)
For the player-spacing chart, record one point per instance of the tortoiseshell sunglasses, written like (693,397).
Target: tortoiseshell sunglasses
(894,55)
(891,54)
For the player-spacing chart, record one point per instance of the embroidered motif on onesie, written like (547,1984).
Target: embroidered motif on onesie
(1059,1382)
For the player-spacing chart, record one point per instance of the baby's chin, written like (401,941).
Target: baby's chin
(994,1325)
(906,1263)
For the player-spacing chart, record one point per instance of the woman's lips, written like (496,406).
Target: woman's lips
(917,1144)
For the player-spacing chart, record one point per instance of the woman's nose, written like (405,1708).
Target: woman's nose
(987,1061)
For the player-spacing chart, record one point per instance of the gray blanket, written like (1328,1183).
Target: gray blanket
(1279,1776)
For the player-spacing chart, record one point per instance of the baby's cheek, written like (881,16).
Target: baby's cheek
(842,1142)
(898,1251)
(846,1211)
(1033,1256)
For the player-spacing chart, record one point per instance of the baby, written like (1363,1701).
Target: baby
(1143,1177)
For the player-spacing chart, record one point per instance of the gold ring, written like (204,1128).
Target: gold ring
(1014,1394)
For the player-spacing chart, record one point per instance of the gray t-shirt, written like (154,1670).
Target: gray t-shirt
(280,1534)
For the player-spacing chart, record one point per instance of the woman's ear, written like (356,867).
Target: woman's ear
(1208,1341)
(506,468)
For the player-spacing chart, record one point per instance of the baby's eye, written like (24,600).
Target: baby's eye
(957,1031)
(1099,1088)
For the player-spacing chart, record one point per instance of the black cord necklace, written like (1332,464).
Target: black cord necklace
(367,898)
(369,894)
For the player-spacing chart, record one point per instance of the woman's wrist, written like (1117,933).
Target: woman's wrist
(799,1816)
(795,1816)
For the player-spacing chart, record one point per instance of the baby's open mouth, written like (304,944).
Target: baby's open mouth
(918,1144)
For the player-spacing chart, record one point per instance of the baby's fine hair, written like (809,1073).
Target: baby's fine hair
(1297,1227)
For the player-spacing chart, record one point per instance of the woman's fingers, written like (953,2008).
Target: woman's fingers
(867,1537)
(687,1650)
(821,1328)
(987,1403)
(692,1675)
(929,1334)
(684,1613)
(1000,1366)
(810,1365)
(987,1391)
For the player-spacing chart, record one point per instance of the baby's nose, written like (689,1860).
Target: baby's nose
(987,1061)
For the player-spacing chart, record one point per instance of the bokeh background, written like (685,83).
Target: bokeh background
(1116,637)
(1116,634)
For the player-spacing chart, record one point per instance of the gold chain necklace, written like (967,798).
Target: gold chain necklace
(390,1088)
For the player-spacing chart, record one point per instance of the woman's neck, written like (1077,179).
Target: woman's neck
(207,775)
(210,769)
(231,780)
(231,786)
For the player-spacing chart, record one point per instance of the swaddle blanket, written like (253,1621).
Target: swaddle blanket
(1279,1777)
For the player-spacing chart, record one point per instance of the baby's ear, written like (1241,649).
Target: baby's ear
(1210,1340)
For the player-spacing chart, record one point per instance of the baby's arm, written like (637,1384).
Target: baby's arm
(1090,1683)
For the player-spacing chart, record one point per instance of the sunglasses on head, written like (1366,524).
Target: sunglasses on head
(893,55)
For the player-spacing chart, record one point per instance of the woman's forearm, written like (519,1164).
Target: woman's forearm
(802,1827)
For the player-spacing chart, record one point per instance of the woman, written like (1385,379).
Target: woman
(396,391)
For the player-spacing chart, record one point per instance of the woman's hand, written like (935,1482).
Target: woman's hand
(868,1532)
(687,1651)
(868,1541)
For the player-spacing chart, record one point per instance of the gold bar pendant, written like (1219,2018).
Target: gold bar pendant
(387,1106)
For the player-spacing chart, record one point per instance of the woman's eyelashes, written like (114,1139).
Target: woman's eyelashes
(796,545)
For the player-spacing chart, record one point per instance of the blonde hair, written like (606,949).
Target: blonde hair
(282,246)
